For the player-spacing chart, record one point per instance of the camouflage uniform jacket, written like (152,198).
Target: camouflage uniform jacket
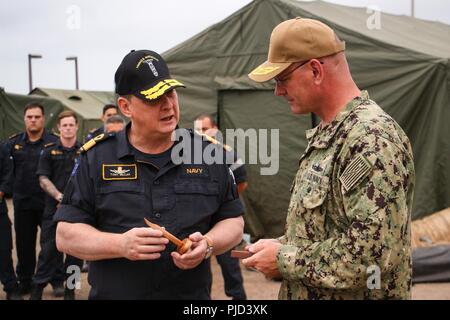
(349,216)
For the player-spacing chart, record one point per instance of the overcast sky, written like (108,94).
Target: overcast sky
(101,32)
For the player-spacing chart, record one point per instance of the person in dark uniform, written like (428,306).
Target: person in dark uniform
(55,166)
(115,124)
(231,269)
(7,274)
(127,176)
(28,198)
(109,110)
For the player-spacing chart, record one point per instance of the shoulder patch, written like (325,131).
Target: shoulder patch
(55,134)
(101,137)
(49,144)
(354,172)
(214,141)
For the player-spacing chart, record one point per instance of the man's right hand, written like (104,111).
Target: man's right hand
(143,244)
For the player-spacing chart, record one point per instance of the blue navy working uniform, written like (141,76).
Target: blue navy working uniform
(56,163)
(7,275)
(28,199)
(116,186)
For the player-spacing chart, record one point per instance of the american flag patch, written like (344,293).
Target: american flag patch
(356,170)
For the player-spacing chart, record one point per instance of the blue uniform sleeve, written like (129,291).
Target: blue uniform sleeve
(78,204)
(6,170)
(231,205)
(240,174)
(8,146)
(237,166)
(44,166)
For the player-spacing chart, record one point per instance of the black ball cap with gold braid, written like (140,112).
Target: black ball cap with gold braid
(145,74)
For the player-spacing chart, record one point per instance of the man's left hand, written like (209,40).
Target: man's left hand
(194,256)
(264,258)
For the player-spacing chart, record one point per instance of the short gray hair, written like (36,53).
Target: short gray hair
(115,119)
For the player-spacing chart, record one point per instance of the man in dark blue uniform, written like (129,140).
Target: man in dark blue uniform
(7,273)
(28,198)
(231,269)
(55,166)
(109,110)
(134,175)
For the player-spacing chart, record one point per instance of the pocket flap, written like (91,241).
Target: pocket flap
(122,188)
(209,188)
(315,194)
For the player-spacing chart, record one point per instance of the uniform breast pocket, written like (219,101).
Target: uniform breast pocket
(121,205)
(197,197)
(19,157)
(312,199)
(315,193)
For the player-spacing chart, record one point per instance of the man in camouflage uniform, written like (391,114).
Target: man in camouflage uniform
(348,223)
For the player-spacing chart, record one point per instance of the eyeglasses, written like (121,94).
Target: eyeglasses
(286,76)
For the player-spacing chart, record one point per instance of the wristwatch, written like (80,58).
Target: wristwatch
(209,248)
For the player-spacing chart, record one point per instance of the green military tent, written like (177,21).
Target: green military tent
(403,62)
(87,105)
(11,111)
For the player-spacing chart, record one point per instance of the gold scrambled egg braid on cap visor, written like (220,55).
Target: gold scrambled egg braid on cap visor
(160,88)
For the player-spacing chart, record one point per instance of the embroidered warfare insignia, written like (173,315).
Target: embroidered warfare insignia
(119,171)
(355,171)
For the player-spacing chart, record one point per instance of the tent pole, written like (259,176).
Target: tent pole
(75,59)
(30,73)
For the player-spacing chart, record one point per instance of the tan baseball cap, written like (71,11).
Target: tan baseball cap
(297,40)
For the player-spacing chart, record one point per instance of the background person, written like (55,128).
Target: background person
(109,110)
(56,163)
(7,274)
(231,269)
(348,223)
(28,198)
(114,124)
